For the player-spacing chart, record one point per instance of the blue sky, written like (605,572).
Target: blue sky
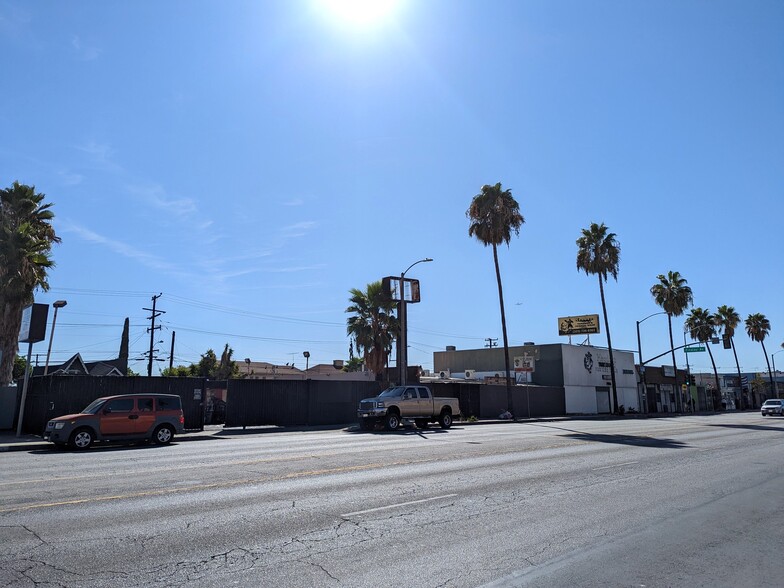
(253,161)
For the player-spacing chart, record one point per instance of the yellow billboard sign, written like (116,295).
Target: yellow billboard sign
(587,324)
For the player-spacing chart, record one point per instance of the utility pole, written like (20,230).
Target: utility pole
(171,355)
(155,314)
(491,342)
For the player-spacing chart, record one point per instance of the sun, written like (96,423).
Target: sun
(360,13)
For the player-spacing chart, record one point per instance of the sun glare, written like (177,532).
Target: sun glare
(360,13)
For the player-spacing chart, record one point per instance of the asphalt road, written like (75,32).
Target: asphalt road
(687,501)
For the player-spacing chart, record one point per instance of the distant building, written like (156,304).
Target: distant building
(76,366)
(582,371)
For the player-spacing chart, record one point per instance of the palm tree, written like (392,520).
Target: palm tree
(372,326)
(494,214)
(26,238)
(758,327)
(701,324)
(599,253)
(674,296)
(728,320)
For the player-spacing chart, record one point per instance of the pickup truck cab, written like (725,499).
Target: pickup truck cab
(414,402)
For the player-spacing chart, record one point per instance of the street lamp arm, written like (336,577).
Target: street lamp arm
(426,259)
(650,315)
(665,353)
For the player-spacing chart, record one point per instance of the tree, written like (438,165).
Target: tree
(180,371)
(372,326)
(674,297)
(728,320)
(494,214)
(758,327)
(20,363)
(26,239)
(227,368)
(355,364)
(701,324)
(208,367)
(599,254)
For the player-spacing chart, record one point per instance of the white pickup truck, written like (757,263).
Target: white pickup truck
(415,403)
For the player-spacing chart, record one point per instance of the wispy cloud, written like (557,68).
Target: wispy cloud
(155,195)
(84,52)
(100,154)
(70,178)
(146,259)
(298,229)
(296,269)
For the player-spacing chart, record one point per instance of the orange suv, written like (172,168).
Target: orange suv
(130,417)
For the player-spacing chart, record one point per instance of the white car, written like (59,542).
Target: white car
(773,406)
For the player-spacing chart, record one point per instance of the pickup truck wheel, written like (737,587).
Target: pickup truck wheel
(421,423)
(392,421)
(445,420)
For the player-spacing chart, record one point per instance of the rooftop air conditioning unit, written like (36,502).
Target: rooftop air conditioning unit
(444,374)
(470,374)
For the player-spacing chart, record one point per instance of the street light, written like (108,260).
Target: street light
(247,363)
(402,347)
(776,378)
(639,352)
(306,355)
(58,304)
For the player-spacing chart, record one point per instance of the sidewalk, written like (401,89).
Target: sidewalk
(10,442)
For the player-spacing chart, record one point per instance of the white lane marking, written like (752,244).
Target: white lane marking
(617,465)
(359,512)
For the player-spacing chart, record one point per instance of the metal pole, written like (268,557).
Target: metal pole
(642,371)
(51,337)
(24,390)
(404,339)
(402,359)
(688,369)
(775,376)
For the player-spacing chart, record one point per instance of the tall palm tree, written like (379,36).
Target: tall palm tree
(674,297)
(728,320)
(599,253)
(494,214)
(758,327)
(26,239)
(702,327)
(372,326)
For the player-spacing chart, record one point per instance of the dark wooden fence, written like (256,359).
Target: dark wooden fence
(273,402)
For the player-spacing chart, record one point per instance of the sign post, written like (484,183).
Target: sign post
(33,330)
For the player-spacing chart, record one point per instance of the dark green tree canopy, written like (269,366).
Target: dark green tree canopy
(26,239)
(672,293)
(701,324)
(494,215)
(598,252)
(372,326)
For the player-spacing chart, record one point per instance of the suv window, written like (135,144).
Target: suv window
(145,404)
(120,405)
(168,403)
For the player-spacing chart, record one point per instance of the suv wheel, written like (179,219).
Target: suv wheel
(163,435)
(81,439)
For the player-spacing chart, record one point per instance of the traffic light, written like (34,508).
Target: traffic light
(692,380)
